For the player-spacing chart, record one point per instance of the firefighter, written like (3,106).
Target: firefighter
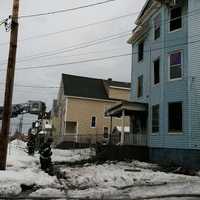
(31,143)
(45,156)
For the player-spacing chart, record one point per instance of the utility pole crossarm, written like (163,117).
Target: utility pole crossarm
(4,135)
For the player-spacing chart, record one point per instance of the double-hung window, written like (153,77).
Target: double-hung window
(155,118)
(156,69)
(157,27)
(93,122)
(175,18)
(140,86)
(175,117)
(175,62)
(140,51)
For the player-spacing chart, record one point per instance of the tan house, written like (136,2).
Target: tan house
(79,112)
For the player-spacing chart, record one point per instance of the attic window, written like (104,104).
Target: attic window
(157,27)
(175,18)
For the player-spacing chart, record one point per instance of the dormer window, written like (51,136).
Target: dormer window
(175,18)
(157,27)
(140,51)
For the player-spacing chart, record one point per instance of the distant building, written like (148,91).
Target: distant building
(79,112)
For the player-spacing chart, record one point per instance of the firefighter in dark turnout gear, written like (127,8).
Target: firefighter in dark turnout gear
(45,156)
(31,143)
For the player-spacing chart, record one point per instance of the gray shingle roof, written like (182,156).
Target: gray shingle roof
(88,87)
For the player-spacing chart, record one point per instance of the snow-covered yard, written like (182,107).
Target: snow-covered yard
(125,180)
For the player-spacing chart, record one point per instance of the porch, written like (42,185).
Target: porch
(138,122)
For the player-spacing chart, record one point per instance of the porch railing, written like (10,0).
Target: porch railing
(135,139)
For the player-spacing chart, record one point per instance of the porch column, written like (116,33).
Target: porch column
(123,124)
(110,139)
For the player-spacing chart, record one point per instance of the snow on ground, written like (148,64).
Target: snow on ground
(72,155)
(48,192)
(111,179)
(22,169)
(126,179)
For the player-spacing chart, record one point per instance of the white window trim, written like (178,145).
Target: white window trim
(169,66)
(95,122)
(175,133)
(176,30)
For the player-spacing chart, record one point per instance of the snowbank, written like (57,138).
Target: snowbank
(115,179)
(72,155)
(22,169)
(48,192)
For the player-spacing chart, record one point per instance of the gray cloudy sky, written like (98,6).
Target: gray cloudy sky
(118,68)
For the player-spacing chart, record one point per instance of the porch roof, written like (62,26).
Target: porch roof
(128,107)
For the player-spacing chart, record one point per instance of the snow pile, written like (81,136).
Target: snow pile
(48,192)
(112,179)
(72,155)
(22,170)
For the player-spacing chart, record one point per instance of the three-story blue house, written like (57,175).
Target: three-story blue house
(166,77)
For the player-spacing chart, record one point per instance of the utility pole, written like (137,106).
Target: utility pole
(7,109)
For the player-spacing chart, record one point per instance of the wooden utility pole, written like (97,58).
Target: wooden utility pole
(7,109)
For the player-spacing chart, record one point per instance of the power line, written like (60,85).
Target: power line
(75,62)
(65,10)
(71,29)
(72,48)
(52,54)
(98,59)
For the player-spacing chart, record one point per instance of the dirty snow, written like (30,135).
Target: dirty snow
(111,179)
(48,192)
(25,170)
(72,155)
(126,179)
(22,169)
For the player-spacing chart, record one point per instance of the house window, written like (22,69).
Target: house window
(175,65)
(175,117)
(175,18)
(155,118)
(70,127)
(140,86)
(105,132)
(93,122)
(140,51)
(157,27)
(156,71)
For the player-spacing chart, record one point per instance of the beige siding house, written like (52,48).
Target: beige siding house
(80,109)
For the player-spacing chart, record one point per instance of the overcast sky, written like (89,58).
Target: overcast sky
(118,68)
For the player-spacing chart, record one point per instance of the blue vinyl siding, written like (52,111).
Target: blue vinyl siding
(167,91)
(194,73)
